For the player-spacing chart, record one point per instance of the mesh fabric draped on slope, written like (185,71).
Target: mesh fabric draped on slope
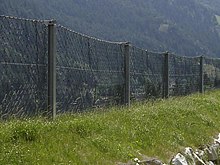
(23,53)
(89,72)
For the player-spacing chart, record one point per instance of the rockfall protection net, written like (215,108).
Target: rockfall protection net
(89,71)
(23,54)
(184,75)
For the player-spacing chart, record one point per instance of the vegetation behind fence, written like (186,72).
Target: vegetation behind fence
(49,69)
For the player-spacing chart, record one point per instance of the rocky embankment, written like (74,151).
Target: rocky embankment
(206,155)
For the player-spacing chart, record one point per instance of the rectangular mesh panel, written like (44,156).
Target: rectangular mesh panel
(184,75)
(211,73)
(146,74)
(23,66)
(89,72)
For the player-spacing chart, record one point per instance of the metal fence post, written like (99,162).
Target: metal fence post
(127,73)
(201,85)
(166,76)
(52,68)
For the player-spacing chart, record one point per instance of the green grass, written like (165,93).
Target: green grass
(156,129)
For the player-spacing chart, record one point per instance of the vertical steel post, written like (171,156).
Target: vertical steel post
(166,76)
(201,85)
(127,73)
(52,68)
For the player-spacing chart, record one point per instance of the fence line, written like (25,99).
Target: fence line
(47,69)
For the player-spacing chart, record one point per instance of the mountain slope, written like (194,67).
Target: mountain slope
(213,5)
(185,27)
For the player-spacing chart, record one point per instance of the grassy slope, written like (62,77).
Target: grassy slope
(156,129)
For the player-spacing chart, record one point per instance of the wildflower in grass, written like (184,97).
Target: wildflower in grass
(137,161)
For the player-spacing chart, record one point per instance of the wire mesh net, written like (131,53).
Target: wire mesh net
(146,74)
(211,70)
(184,75)
(89,72)
(23,52)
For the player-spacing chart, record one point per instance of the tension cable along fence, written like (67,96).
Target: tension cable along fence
(47,69)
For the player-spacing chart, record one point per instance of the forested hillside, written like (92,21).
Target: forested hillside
(186,27)
(213,5)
